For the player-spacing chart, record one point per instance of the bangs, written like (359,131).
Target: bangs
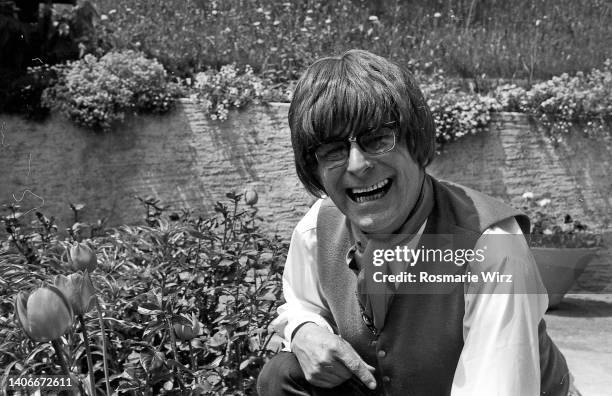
(349,100)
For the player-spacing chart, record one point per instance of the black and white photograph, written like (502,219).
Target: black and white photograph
(306,198)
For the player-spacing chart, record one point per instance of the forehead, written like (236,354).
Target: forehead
(345,113)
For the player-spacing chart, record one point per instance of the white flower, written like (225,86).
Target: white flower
(527,195)
(437,15)
(543,202)
(373,18)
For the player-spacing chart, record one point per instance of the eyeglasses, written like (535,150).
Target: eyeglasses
(377,142)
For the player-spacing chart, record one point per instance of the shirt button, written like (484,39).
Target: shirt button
(386,379)
(382,354)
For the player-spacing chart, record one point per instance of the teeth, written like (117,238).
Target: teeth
(371,188)
(369,198)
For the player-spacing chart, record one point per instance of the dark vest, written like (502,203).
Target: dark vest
(417,351)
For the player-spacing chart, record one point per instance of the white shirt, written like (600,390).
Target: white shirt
(500,355)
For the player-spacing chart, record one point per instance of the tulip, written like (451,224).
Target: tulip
(82,258)
(187,330)
(78,289)
(250,197)
(45,314)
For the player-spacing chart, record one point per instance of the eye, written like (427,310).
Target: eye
(379,141)
(332,151)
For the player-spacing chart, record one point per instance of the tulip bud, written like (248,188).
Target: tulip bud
(45,314)
(78,289)
(82,258)
(250,197)
(187,330)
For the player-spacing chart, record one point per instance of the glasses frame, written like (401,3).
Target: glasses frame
(354,139)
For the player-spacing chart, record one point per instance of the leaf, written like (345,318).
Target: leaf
(245,363)
(215,363)
(145,311)
(217,340)
(213,379)
(150,306)
(225,263)
(168,385)
(268,297)
(36,351)
(173,363)
(253,344)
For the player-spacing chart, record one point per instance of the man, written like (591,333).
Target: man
(357,319)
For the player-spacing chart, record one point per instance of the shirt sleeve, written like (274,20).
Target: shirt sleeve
(500,355)
(304,300)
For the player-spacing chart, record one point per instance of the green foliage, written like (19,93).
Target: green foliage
(520,39)
(549,228)
(98,92)
(178,268)
(583,99)
(456,113)
(218,92)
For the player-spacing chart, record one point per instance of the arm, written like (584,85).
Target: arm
(305,320)
(501,351)
(304,301)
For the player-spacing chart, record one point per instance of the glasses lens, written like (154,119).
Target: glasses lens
(379,141)
(332,152)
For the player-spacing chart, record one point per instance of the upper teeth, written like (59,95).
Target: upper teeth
(370,188)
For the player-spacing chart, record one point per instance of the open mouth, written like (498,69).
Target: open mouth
(370,193)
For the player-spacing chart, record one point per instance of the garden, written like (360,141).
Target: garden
(181,303)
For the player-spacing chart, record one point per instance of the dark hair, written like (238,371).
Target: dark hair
(355,92)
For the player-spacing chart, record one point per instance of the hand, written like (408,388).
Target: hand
(327,360)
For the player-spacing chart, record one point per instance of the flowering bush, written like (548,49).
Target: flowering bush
(564,100)
(98,92)
(229,88)
(556,230)
(183,303)
(456,113)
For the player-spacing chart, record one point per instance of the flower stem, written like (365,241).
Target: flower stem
(59,352)
(192,356)
(104,357)
(92,387)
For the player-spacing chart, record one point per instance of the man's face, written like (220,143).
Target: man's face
(375,192)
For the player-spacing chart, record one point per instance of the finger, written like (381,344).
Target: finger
(356,365)
(330,376)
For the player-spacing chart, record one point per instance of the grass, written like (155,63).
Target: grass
(470,39)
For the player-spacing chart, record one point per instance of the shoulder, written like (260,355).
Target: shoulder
(308,223)
(305,232)
(474,210)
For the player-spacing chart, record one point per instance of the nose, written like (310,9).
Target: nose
(357,161)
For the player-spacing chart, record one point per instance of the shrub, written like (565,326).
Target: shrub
(552,229)
(229,88)
(99,92)
(456,113)
(186,300)
(584,99)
